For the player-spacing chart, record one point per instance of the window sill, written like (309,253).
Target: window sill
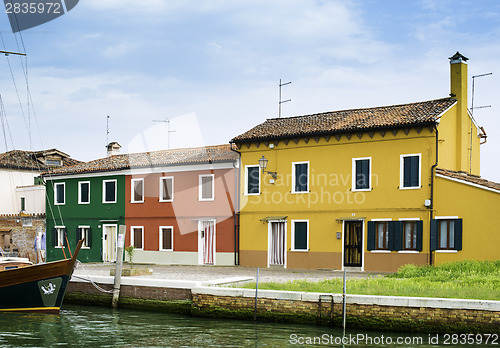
(380,251)
(83,203)
(85,247)
(299,192)
(251,194)
(167,250)
(108,202)
(206,199)
(361,190)
(166,201)
(447,251)
(408,252)
(300,250)
(134,202)
(410,188)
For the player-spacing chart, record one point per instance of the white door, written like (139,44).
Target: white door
(277,243)
(109,243)
(206,242)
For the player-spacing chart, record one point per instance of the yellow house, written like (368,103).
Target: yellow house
(368,189)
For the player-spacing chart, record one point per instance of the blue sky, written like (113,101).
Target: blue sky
(213,67)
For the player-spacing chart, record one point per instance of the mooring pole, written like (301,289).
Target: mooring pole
(256,291)
(344,303)
(120,243)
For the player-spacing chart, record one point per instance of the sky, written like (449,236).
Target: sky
(213,68)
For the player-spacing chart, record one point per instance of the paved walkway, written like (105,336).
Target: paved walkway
(222,273)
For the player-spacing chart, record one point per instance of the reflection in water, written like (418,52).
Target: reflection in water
(103,327)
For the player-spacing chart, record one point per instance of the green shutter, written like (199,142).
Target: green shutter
(396,235)
(78,234)
(420,232)
(54,237)
(65,237)
(371,243)
(89,241)
(458,234)
(300,235)
(434,234)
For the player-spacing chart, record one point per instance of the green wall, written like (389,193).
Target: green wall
(71,214)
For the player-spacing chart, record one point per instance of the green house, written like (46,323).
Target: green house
(90,205)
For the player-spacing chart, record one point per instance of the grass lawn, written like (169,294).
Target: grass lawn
(463,279)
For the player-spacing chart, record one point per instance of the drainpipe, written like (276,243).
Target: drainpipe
(433,168)
(236,212)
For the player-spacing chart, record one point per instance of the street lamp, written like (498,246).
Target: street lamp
(263,165)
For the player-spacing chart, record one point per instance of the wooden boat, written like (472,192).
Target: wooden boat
(40,288)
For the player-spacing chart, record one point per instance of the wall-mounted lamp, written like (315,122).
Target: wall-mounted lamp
(263,165)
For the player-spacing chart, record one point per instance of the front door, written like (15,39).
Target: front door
(109,243)
(277,235)
(353,243)
(206,242)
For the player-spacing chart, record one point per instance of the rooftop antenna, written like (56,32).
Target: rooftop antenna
(107,131)
(472,115)
(282,101)
(167,121)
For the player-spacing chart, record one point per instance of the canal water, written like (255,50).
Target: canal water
(102,327)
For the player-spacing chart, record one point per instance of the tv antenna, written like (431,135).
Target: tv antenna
(282,101)
(472,115)
(167,121)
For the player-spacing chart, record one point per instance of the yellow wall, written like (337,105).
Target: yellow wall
(331,198)
(478,208)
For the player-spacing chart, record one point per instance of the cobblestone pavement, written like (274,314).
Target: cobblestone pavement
(211,273)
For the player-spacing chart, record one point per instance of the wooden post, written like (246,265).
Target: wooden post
(344,311)
(256,291)
(120,243)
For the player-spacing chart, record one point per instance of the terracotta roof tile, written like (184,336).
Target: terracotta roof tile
(469,178)
(348,120)
(208,154)
(30,160)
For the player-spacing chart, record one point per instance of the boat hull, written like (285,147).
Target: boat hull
(39,288)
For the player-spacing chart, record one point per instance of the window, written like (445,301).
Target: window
(300,235)
(166,189)
(410,172)
(206,187)
(137,190)
(446,234)
(409,235)
(395,235)
(361,178)
(382,228)
(109,191)
(166,238)
(59,193)
(137,236)
(84,232)
(84,192)
(59,236)
(53,162)
(252,180)
(300,177)
(23,203)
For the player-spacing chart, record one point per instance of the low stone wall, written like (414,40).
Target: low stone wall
(368,312)
(363,311)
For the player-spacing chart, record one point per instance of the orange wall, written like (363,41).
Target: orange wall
(185,210)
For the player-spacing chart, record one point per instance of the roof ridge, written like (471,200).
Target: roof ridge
(358,109)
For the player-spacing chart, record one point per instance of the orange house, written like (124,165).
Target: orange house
(179,209)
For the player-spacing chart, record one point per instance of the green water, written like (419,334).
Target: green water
(101,327)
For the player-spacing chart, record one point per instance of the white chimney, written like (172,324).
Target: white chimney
(113,148)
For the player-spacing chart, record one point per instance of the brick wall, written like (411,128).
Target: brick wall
(23,236)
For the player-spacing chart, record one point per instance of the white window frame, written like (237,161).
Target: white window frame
(293,236)
(132,190)
(85,235)
(353,186)
(444,251)
(80,192)
(402,171)
(246,193)
(55,193)
(132,236)
(308,177)
(60,236)
(160,196)
(200,188)
(161,239)
(104,191)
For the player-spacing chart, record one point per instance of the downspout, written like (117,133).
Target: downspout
(236,212)
(433,169)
